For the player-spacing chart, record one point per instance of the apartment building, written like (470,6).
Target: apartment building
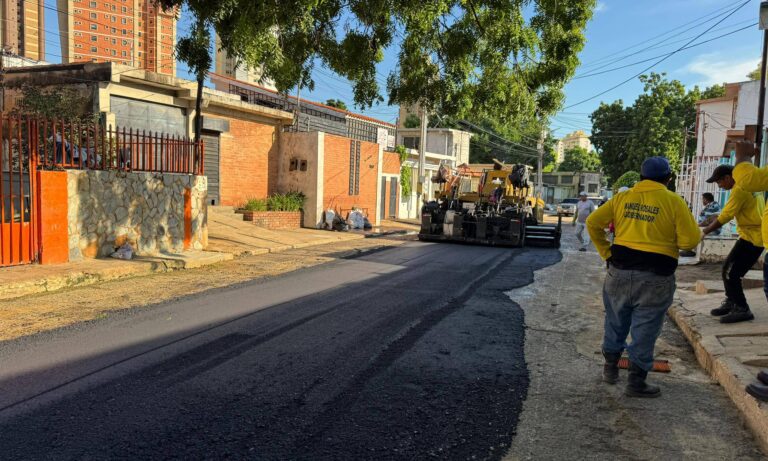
(129,32)
(229,67)
(576,139)
(21,28)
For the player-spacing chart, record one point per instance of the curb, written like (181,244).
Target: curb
(728,372)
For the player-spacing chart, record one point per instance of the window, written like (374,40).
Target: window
(125,32)
(125,42)
(94,27)
(566,179)
(592,188)
(113,30)
(124,21)
(411,142)
(78,11)
(114,41)
(354,168)
(93,15)
(125,9)
(94,38)
(92,4)
(114,53)
(113,19)
(94,49)
(125,54)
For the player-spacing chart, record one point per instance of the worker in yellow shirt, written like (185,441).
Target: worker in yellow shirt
(753,179)
(652,225)
(743,206)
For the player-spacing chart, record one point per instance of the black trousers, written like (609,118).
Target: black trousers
(740,260)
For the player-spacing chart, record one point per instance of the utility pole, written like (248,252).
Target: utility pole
(540,166)
(763,24)
(422,156)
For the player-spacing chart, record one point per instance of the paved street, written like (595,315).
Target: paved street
(419,351)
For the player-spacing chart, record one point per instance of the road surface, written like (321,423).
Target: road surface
(418,352)
(413,352)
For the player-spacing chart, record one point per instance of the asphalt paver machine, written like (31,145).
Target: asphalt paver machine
(496,207)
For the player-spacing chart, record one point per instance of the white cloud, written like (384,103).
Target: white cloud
(600,7)
(718,68)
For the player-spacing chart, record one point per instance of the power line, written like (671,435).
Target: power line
(659,61)
(592,74)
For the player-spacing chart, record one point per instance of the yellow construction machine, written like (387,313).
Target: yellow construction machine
(497,206)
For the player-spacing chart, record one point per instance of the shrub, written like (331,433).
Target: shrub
(628,179)
(255,204)
(292,201)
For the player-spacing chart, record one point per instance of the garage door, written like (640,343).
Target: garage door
(211,164)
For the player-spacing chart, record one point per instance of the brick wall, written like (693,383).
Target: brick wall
(391,163)
(249,161)
(274,219)
(336,176)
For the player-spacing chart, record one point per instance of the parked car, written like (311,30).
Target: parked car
(550,209)
(567,207)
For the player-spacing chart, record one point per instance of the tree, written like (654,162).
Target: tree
(337,103)
(659,122)
(412,121)
(628,179)
(579,159)
(755,74)
(55,104)
(195,50)
(509,58)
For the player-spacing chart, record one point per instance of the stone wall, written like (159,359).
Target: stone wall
(147,210)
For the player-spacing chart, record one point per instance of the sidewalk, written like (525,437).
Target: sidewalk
(228,236)
(731,353)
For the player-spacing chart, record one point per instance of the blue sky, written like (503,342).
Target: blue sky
(643,28)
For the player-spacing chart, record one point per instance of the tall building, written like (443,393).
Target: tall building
(576,139)
(227,66)
(130,32)
(21,28)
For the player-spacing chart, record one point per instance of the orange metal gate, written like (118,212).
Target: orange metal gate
(17,186)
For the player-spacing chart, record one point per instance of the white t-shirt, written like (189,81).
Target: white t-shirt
(584,209)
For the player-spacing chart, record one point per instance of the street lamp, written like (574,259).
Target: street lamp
(761,102)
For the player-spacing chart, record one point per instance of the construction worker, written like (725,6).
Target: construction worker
(584,207)
(743,206)
(754,179)
(652,225)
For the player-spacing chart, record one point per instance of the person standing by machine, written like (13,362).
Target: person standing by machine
(584,207)
(652,225)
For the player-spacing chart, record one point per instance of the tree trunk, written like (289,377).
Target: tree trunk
(198,118)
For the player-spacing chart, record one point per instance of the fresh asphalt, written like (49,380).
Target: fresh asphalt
(409,353)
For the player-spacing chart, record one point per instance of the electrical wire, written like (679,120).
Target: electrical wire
(742,5)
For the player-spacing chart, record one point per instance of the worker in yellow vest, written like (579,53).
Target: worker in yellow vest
(652,224)
(743,206)
(753,179)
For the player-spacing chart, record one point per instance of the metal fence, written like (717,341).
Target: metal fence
(692,182)
(87,145)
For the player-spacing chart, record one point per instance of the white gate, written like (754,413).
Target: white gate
(692,182)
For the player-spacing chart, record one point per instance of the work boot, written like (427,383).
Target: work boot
(762,376)
(737,314)
(725,308)
(611,367)
(758,391)
(636,385)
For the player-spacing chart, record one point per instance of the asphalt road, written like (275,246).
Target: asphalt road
(409,353)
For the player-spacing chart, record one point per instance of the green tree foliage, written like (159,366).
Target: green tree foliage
(579,159)
(337,103)
(628,179)
(55,103)
(406,172)
(509,58)
(655,124)
(755,74)
(412,121)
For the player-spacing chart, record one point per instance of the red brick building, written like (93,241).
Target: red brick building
(128,32)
